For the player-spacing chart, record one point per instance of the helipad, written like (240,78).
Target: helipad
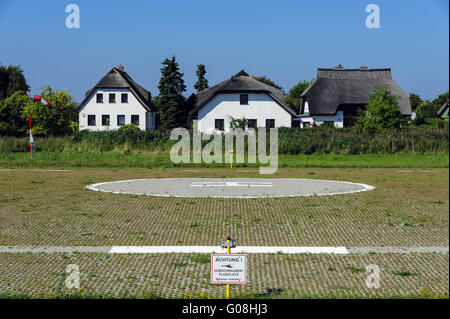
(230,187)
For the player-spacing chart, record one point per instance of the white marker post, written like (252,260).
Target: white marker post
(228,268)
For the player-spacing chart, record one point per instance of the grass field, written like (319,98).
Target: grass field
(408,208)
(162,160)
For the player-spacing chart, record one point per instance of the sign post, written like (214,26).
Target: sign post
(228,268)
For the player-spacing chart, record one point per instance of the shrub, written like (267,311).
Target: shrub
(436,122)
(130,127)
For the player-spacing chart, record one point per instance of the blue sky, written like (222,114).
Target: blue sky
(284,40)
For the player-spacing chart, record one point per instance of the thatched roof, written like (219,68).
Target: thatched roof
(241,83)
(335,88)
(119,79)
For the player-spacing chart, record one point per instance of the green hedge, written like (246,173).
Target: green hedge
(349,141)
(290,141)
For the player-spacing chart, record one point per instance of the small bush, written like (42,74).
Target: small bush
(130,127)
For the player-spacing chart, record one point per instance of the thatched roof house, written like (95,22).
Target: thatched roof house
(116,100)
(338,93)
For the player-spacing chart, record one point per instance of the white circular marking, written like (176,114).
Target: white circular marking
(230,187)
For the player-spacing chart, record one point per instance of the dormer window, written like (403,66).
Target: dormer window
(243,99)
(112,98)
(99,97)
(124,98)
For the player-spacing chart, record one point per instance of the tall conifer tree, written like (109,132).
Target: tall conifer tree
(170,101)
(202,82)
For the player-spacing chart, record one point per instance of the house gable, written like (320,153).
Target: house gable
(116,78)
(128,111)
(226,106)
(241,83)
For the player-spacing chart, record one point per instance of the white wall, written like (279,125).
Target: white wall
(133,107)
(260,107)
(337,118)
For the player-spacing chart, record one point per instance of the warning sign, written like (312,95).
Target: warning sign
(228,269)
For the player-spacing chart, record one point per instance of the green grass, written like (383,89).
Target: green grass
(404,273)
(201,258)
(116,159)
(355,270)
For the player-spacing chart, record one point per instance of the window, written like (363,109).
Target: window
(99,97)
(252,123)
(135,119)
(124,98)
(91,120)
(219,124)
(243,99)
(270,123)
(120,120)
(105,120)
(112,98)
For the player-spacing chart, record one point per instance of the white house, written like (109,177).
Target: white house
(336,95)
(114,101)
(240,97)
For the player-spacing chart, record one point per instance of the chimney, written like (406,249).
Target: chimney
(363,67)
(121,68)
(339,67)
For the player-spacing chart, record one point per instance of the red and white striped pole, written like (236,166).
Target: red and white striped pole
(31,138)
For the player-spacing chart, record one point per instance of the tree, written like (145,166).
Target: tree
(440,100)
(268,81)
(202,82)
(170,101)
(293,98)
(429,109)
(3,81)
(12,80)
(414,100)
(425,110)
(381,113)
(11,120)
(44,122)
